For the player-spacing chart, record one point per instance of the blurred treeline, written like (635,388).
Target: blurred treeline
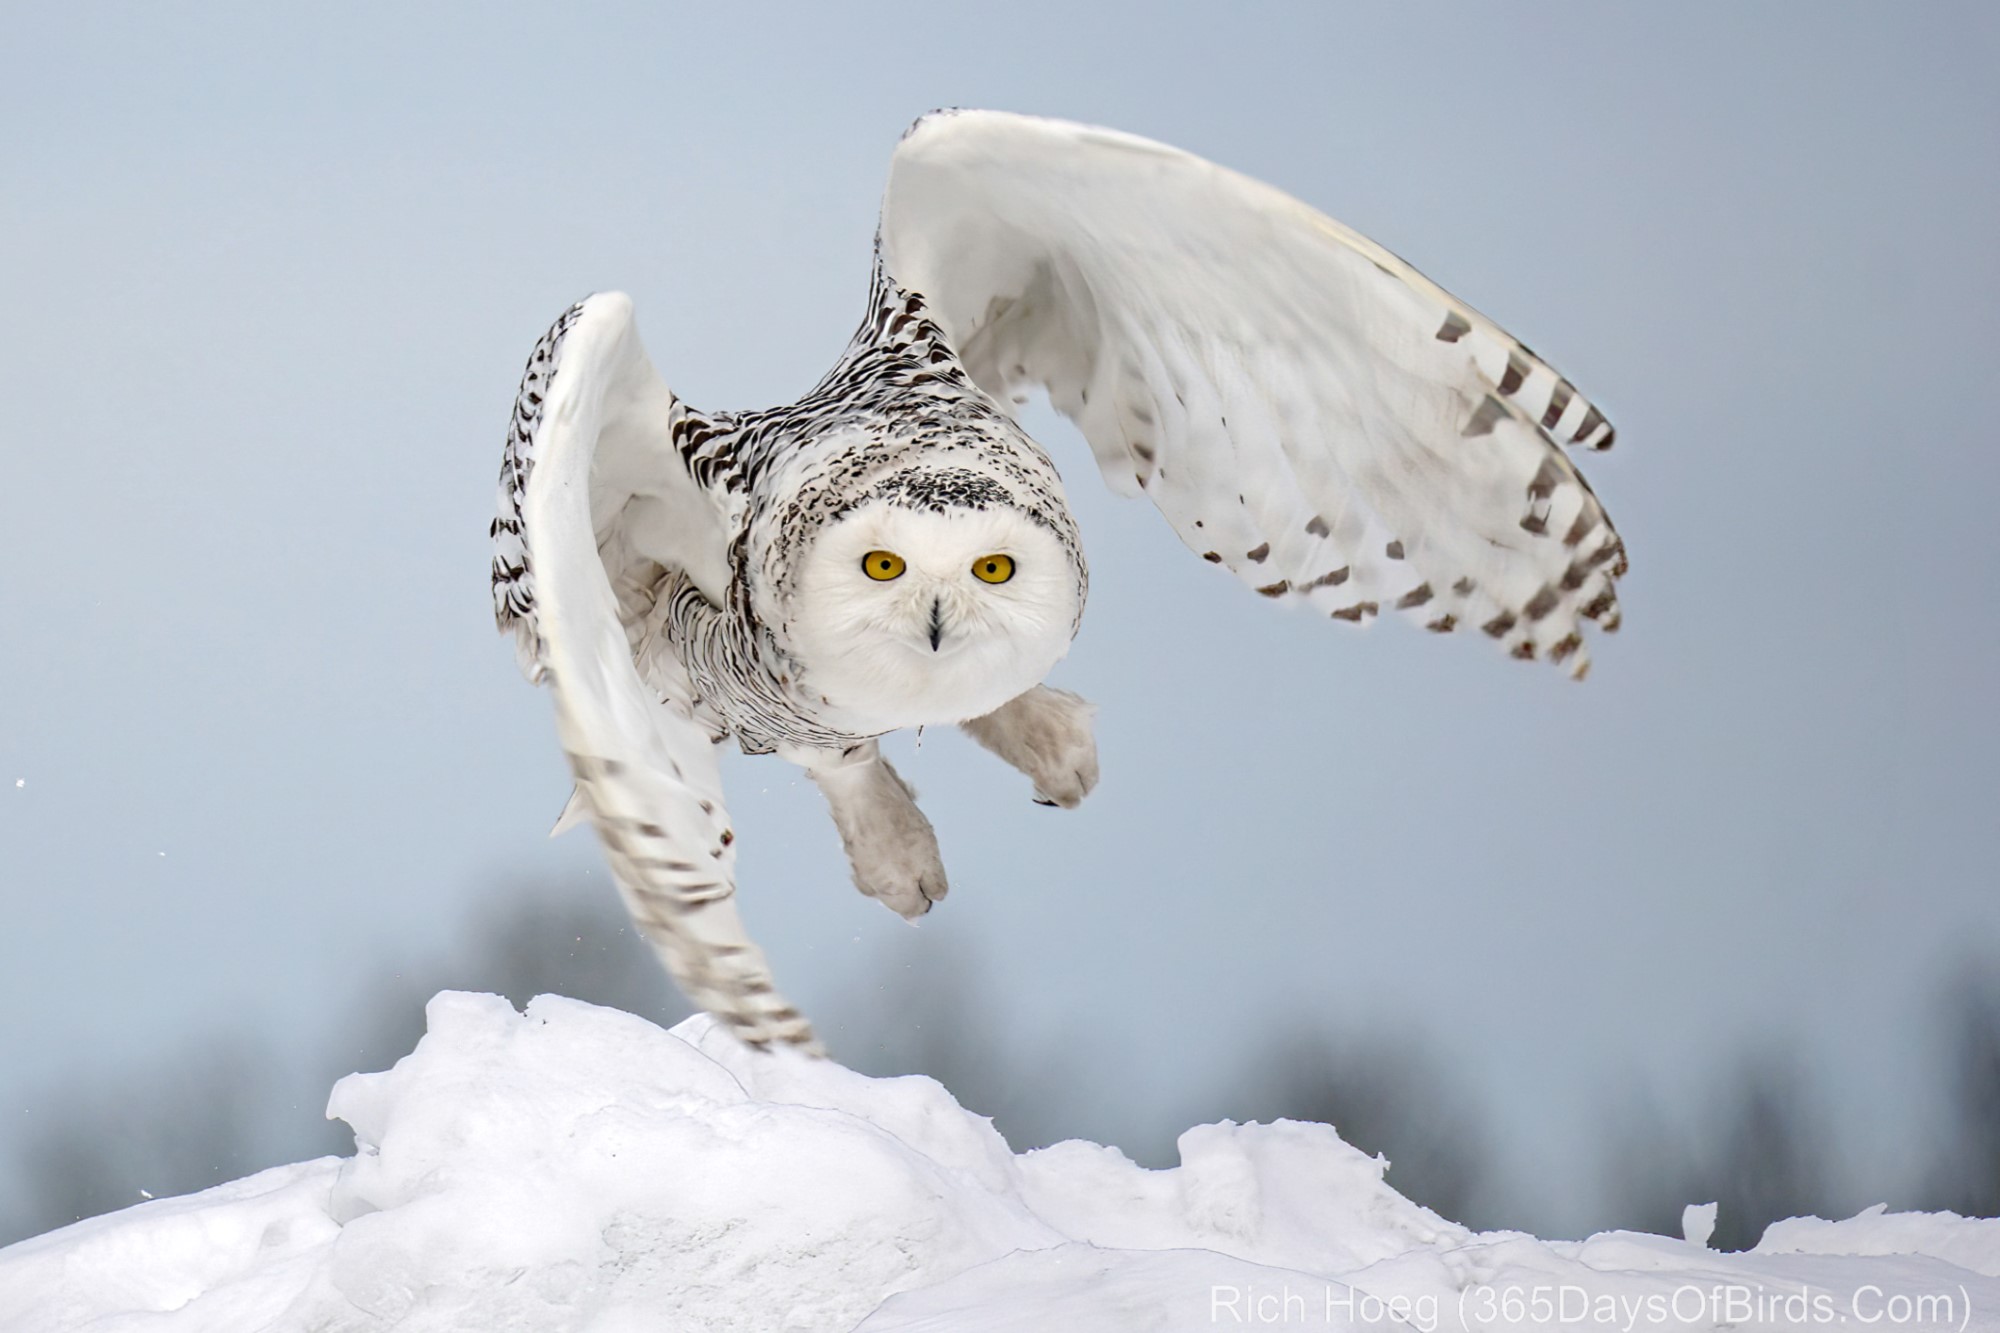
(1762,1146)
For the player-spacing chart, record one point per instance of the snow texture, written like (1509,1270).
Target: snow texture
(576,1168)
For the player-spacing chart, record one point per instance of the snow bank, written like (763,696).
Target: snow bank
(575,1168)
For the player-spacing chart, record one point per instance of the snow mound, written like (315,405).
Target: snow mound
(576,1168)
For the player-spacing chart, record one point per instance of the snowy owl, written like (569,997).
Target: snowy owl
(1307,410)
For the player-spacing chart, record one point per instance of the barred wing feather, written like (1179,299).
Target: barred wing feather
(1306,409)
(590,447)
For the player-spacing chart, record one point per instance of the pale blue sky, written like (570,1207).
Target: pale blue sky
(269,278)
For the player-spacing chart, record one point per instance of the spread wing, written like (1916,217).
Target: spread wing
(1304,407)
(598,514)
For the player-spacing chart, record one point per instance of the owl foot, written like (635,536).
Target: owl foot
(889,842)
(1046,734)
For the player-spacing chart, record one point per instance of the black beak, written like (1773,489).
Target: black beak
(937,622)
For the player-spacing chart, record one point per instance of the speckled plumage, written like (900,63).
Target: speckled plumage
(895,420)
(1306,409)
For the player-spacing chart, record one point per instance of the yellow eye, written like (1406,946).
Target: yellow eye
(883,565)
(993,568)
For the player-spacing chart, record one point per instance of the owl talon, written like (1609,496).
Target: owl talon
(909,896)
(1045,733)
(897,862)
(904,873)
(890,845)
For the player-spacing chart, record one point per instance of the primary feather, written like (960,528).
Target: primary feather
(1305,408)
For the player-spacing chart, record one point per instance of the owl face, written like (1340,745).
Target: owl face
(908,615)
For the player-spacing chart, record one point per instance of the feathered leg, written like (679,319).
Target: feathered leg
(889,843)
(1046,734)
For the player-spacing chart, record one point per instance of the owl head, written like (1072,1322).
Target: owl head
(936,599)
